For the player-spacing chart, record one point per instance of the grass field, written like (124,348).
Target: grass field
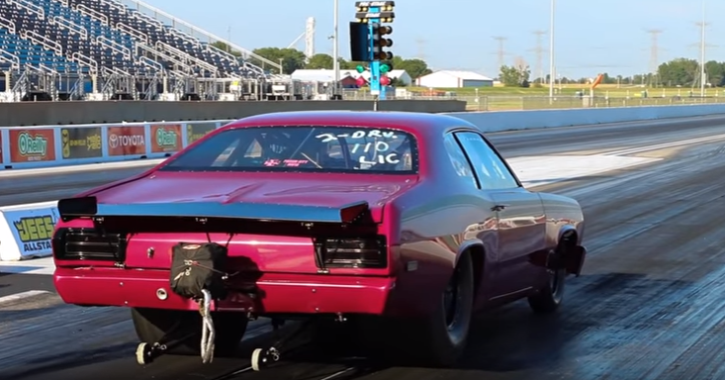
(611,90)
(501,98)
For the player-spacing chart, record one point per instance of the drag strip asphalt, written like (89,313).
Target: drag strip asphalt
(649,304)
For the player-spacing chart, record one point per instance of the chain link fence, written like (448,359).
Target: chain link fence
(520,103)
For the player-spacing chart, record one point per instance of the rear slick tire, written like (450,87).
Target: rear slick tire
(152,324)
(440,339)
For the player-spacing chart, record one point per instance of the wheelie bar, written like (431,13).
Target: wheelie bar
(148,352)
(264,357)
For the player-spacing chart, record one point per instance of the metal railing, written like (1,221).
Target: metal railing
(192,31)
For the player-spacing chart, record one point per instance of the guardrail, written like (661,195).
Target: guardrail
(552,118)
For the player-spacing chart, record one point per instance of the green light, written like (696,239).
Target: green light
(360,69)
(384,68)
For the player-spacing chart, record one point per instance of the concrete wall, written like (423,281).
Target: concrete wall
(517,120)
(64,113)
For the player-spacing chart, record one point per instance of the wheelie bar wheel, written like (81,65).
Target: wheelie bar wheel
(262,358)
(146,353)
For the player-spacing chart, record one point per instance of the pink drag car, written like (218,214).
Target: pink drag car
(399,224)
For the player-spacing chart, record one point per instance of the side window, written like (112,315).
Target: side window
(460,164)
(491,171)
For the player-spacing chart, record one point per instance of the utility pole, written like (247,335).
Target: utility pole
(539,51)
(336,46)
(501,52)
(703,46)
(654,53)
(421,48)
(552,69)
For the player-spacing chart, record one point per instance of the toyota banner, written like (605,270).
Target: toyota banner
(126,141)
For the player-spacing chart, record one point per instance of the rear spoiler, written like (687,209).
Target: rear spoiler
(72,208)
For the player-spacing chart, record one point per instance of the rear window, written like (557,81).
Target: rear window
(302,149)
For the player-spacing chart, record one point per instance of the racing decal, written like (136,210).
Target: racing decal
(361,134)
(126,141)
(33,230)
(273,162)
(81,142)
(196,131)
(165,138)
(32,145)
(372,146)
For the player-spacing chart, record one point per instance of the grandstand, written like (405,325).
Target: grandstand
(119,49)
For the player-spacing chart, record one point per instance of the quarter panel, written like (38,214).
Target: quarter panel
(561,212)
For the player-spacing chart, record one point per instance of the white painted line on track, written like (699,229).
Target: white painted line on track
(543,170)
(44,265)
(23,295)
(674,144)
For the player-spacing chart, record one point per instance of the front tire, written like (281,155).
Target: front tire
(550,297)
(152,324)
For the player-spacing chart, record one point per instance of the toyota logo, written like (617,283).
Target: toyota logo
(113,141)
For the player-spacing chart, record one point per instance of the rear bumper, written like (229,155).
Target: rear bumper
(278,293)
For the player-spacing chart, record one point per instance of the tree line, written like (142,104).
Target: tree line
(679,72)
(293,59)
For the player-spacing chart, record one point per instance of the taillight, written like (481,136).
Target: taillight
(351,252)
(88,244)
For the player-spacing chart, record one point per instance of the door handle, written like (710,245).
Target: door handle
(498,207)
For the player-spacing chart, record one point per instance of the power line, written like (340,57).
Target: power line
(539,51)
(501,51)
(654,50)
(654,56)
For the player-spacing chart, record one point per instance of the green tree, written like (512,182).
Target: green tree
(715,73)
(292,59)
(224,47)
(324,61)
(415,67)
(320,61)
(677,72)
(516,75)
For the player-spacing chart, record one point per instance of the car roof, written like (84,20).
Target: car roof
(417,123)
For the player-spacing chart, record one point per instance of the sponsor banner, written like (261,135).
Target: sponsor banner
(165,138)
(81,142)
(32,145)
(126,140)
(195,131)
(33,230)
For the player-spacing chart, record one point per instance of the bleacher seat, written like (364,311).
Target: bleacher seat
(155,31)
(27,53)
(72,35)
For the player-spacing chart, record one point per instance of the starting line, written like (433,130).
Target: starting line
(533,171)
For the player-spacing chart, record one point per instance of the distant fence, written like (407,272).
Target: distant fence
(521,103)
